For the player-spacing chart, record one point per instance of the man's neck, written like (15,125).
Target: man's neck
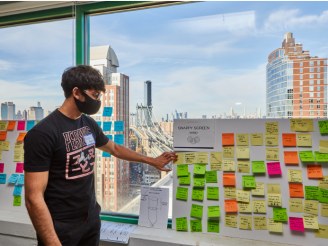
(70,109)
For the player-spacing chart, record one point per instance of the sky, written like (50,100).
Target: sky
(202,58)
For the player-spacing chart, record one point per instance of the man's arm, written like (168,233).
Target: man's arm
(35,185)
(129,155)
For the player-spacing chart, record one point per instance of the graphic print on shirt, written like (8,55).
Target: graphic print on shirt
(80,157)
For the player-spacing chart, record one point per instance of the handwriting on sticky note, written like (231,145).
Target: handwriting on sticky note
(243,166)
(229,192)
(5,145)
(260,223)
(229,165)
(242,139)
(321,232)
(19,167)
(323,195)
(213,225)
(258,166)
(274,195)
(323,126)
(323,183)
(228,152)
(242,152)
(248,181)
(216,161)
(18,190)
(230,205)
(17,201)
(289,139)
(229,179)
(211,176)
(259,190)
(3,178)
(324,209)
(314,171)
(245,222)
(181,224)
(196,211)
(296,205)
(296,224)
(271,128)
(212,193)
(199,181)
(311,192)
(184,180)
(182,193)
(190,158)
(213,211)
(199,169)
(321,157)
(242,195)
(291,157)
(271,140)
(197,193)
(244,207)
(11,125)
(20,125)
(202,157)
(3,135)
(311,207)
(228,139)
(259,206)
(256,139)
(274,168)
(310,221)
(230,221)
(272,154)
(306,155)
(3,125)
(30,124)
(294,175)
(2,165)
(182,170)
(196,226)
(279,214)
(296,190)
(274,226)
(18,157)
(304,140)
(21,137)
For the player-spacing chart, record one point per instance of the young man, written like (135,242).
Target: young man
(59,161)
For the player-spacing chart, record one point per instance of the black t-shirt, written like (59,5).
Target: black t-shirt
(57,144)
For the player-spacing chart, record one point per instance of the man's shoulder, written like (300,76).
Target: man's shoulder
(46,126)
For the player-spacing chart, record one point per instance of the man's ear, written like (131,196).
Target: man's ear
(77,93)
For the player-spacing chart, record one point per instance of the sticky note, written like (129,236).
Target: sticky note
(229,192)
(17,157)
(2,165)
(30,124)
(272,154)
(99,123)
(13,178)
(249,181)
(275,226)
(323,183)
(258,166)
(274,195)
(3,135)
(17,201)
(0,151)
(196,211)
(18,190)
(229,165)
(243,166)
(105,154)
(197,193)
(3,178)
(228,139)
(323,195)
(20,179)
(274,168)
(296,224)
(242,139)
(107,112)
(199,169)
(279,214)
(244,207)
(260,223)
(259,190)
(3,125)
(180,158)
(242,152)
(322,232)
(242,195)
(296,190)
(324,209)
(182,193)
(182,170)
(185,180)
(245,222)
(230,205)
(213,225)
(323,146)
(110,136)
(11,125)
(259,206)
(181,224)
(18,147)
(323,126)
(291,157)
(119,139)
(211,176)
(271,128)
(196,225)
(302,125)
(228,152)
(321,157)
(306,155)
(311,207)
(296,205)
(229,179)
(5,145)
(256,139)
(294,175)
(213,211)
(213,193)
(311,192)
(107,126)
(230,221)
(202,157)
(19,167)
(118,126)
(304,140)
(271,140)
(21,137)
(190,158)
(314,171)
(20,125)
(310,221)
(199,181)
(216,161)
(289,139)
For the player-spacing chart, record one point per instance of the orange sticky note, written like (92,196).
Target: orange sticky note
(296,190)
(289,139)
(11,125)
(231,205)
(229,179)
(3,135)
(21,137)
(291,157)
(314,171)
(228,139)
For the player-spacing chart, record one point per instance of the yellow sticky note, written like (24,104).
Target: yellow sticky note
(272,154)
(242,152)
(260,223)
(294,175)
(190,158)
(242,139)
(17,157)
(274,195)
(323,146)
(245,222)
(216,161)
(244,207)
(323,183)
(5,145)
(271,128)
(324,209)
(257,139)
(3,125)
(322,232)
(271,140)
(310,221)
(242,195)
(259,206)
(229,192)
(229,165)
(304,140)
(18,147)
(259,190)
(311,207)
(228,152)
(202,157)
(230,221)
(243,166)
(0,154)
(275,226)
(296,205)
(180,158)
(301,125)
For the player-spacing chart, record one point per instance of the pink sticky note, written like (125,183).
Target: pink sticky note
(21,126)
(19,167)
(296,224)
(2,165)
(274,168)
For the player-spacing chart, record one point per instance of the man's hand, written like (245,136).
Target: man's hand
(161,161)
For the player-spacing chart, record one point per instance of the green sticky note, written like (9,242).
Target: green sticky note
(196,225)
(185,180)
(279,214)
(182,193)
(249,181)
(199,169)
(258,167)
(213,193)
(321,157)
(306,155)
(17,200)
(323,195)
(197,193)
(199,181)
(211,176)
(213,226)
(182,170)
(311,192)
(196,211)
(323,126)
(181,224)
(213,211)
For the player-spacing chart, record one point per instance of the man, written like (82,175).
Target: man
(59,162)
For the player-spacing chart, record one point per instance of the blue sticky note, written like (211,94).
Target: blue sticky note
(119,139)
(118,126)
(105,154)
(3,178)
(20,179)
(108,111)
(99,123)
(30,124)
(18,190)
(107,126)
(13,178)
(110,137)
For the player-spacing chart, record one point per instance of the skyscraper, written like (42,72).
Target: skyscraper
(8,111)
(36,113)
(296,83)
(147,93)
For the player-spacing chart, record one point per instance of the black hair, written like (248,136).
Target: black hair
(83,77)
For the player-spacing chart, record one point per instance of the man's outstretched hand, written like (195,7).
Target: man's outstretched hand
(161,161)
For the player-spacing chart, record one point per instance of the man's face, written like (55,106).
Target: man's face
(94,94)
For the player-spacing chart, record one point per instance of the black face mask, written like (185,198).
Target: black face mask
(89,106)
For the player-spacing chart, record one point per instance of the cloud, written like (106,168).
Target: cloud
(6,65)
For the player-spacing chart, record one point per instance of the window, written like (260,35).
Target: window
(311,76)
(301,88)
(301,106)
(318,88)
(301,64)
(301,82)
(318,106)
(311,113)
(290,43)
(301,70)
(311,94)
(318,100)
(310,100)
(318,112)
(311,106)
(311,63)
(318,75)
(301,101)
(325,62)
(311,82)
(318,63)
(301,95)
(301,76)
(301,112)
(318,69)
(294,48)
(318,82)
(311,88)
(311,69)
(318,94)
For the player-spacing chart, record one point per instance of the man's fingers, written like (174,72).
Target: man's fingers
(165,169)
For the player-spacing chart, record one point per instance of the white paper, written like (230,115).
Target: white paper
(154,207)
(116,232)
